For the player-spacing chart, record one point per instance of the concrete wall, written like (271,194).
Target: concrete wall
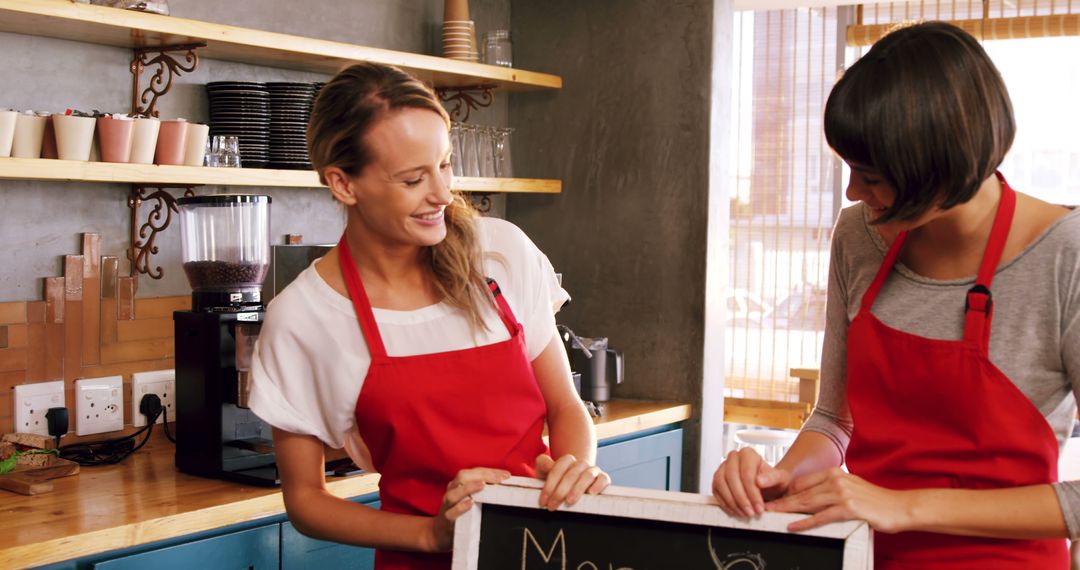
(40,222)
(629,135)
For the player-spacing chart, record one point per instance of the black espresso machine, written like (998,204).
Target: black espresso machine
(226,255)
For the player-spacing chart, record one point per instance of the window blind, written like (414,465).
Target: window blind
(784,199)
(984,19)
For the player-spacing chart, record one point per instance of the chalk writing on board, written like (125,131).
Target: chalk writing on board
(533,539)
(527,538)
(735,560)
(732,561)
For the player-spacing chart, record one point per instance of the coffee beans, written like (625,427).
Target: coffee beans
(209,275)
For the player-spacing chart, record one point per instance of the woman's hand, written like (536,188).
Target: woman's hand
(744,481)
(567,479)
(458,500)
(833,495)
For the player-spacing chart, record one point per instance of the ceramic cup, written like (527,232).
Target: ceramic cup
(7,131)
(74,136)
(171,142)
(144,140)
(29,130)
(195,149)
(114,138)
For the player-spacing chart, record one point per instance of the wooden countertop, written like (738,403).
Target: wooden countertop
(145,499)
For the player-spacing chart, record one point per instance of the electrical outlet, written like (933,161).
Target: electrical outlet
(99,405)
(31,403)
(160,382)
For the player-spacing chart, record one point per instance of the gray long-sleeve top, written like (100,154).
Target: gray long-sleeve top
(1035,339)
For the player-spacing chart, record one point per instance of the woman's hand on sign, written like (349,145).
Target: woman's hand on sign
(744,481)
(567,479)
(833,495)
(458,500)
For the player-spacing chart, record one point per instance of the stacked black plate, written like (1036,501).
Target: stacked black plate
(242,109)
(290,109)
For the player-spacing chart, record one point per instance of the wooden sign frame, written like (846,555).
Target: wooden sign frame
(652,505)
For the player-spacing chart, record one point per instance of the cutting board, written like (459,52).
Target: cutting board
(28,480)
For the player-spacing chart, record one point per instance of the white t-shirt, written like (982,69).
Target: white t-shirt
(311,358)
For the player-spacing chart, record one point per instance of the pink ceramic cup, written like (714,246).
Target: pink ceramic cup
(115,139)
(170,142)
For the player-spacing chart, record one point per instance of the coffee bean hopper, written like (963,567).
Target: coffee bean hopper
(226,254)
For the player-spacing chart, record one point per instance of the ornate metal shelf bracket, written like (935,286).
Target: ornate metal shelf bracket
(144,102)
(143,236)
(465,99)
(482,201)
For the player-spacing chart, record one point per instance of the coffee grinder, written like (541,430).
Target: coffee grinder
(226,254)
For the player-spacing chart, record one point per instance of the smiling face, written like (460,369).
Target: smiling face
(401,194)
(866,185)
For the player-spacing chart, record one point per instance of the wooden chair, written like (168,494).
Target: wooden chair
(773,413)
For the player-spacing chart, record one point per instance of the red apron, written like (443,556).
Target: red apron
(934,413)
(426,417)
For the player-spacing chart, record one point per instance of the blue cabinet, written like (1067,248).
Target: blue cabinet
(254,549)
(652,461)
(299,552)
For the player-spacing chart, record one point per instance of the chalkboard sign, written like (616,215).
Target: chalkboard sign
(638,529)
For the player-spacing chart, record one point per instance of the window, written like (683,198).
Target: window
(784,199)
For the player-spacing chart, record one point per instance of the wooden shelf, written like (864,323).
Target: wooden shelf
(150,174)
(66,20)
(507,185)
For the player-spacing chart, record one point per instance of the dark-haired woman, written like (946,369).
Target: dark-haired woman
(424,343)
(952,344)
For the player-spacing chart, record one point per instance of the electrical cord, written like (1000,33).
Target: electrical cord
(165,424)
(113,451)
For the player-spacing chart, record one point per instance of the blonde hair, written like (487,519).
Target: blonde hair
(346,109)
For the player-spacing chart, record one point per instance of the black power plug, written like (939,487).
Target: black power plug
(57,419)
(150,406)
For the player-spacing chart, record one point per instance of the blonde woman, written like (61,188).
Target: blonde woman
(424,343)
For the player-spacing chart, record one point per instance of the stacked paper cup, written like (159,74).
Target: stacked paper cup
(459,40)
(459,32)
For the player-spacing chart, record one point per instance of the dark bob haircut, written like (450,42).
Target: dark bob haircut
(927,109)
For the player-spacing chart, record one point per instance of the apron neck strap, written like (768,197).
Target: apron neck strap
(998,234)
(505,313)
(883,271)
(360,301)
(979,303)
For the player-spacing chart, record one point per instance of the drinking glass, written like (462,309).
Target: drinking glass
(213,151)
(455,148)
(497,49)
(224,151)
(503,164)
(485,150)
(470,160)
(230,157)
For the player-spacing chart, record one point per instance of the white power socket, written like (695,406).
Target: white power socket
(160,382)
(32,401)
(99,405)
